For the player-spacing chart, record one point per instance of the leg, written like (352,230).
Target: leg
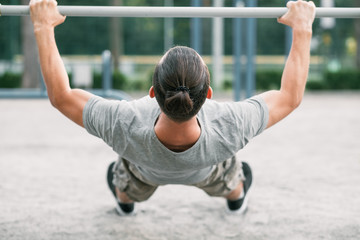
(122,196)
(130,184)
(231,180)
(225,180)
(127,186)
(236,202)
(236,193)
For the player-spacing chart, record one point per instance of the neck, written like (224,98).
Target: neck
(177,136)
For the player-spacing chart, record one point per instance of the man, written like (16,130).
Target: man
(182,137)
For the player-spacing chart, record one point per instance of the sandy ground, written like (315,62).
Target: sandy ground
(306,172)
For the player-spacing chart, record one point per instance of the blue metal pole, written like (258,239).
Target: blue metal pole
(106,71)
(196,29)
(168,28)
(43,90)
(251,52)
(288,38)
(237,46)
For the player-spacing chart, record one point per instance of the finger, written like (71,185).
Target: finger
(312,3)
(35,1)
(289,4)
(281,19)
(52,2)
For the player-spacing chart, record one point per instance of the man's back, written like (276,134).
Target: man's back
(128,127)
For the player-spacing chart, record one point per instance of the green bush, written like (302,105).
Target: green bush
(268,79)
(97,80)
(227,85)
(10,80)
(344,79)
(316,85)
(139,85)
(118,79)
(142,84)
(265,80)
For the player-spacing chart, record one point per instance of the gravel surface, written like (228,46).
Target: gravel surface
(306,173)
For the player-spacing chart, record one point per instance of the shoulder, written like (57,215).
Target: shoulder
(213,106)
(216,109)
(143,103)
(131,105)
(250,110)
(98,107)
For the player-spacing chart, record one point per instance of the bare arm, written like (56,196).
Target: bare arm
(282,102)
(69,101)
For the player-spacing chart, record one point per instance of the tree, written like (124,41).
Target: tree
(357,35)
(116,36)
(31,72)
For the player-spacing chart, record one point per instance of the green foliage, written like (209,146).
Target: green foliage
(345,79)
(145,36)
(265,80)
(10,80)
(9,34)
(119,81)
(227,85)
(268,79)
(97,80)
(342,80)
(316,85)
(142,84)
(139,85)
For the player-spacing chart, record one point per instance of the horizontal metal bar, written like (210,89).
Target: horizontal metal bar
(180,12)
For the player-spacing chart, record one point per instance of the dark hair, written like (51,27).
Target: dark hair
(181,81)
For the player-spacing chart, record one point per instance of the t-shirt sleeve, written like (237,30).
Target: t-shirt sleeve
(100,118)
(254,115)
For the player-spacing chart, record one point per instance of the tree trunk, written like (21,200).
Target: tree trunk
(116,38)
(31,75)
(31,69)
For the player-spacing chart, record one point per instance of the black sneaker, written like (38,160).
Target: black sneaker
(239,206)
(122,208)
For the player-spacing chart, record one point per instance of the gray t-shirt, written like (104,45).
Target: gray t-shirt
(128,127)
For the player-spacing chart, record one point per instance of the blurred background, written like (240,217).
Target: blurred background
(232,51)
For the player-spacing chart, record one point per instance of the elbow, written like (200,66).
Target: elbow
(292,100)
(296,101)
(53,102)
(57,100)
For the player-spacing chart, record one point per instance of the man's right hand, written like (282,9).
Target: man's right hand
(44,14)
(300,15)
